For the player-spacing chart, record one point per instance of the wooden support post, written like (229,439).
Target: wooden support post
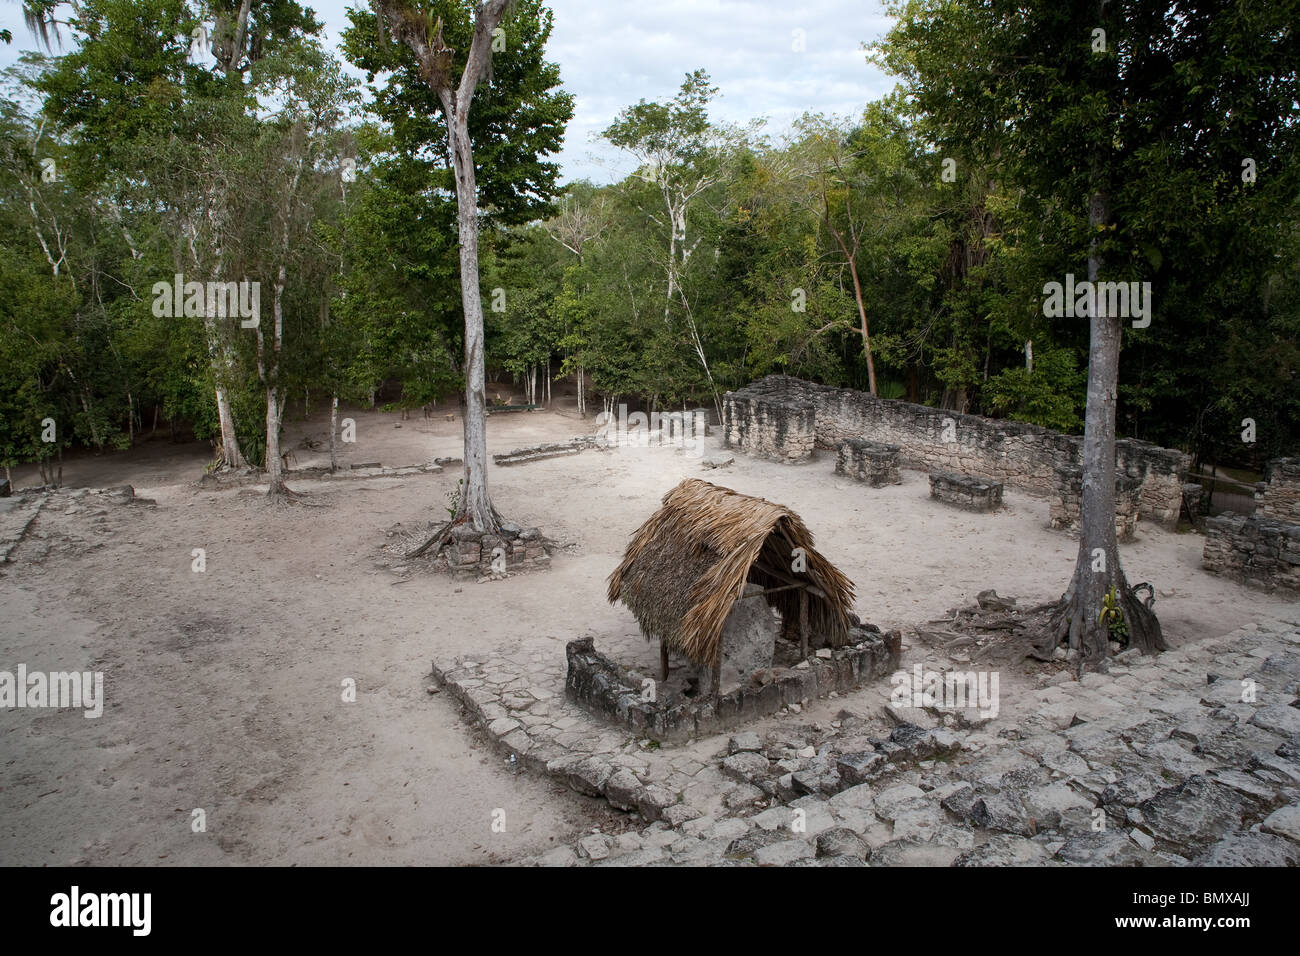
(663,661)
(717,680)
(803,623)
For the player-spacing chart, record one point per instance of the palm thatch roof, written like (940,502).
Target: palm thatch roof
(686,566)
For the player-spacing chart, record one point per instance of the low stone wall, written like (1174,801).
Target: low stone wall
(542,452)
(769,427)
(471,554)
(1278,496)
(931,439)
(965,491)
(1256,550)
(604,688)
(1067,502)
(870,462)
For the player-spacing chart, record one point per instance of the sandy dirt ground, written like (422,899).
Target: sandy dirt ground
(224,688)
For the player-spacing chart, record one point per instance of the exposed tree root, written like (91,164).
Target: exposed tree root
(279,494)
(1071,623)
(439,538)
(443,534)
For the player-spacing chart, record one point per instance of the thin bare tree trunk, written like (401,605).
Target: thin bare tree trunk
(270,376)
(274,463)
(435,59)
(475,503)
(334,429)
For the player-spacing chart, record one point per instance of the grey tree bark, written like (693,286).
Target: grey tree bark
(274,406)
(435,59)
(1097,568)
(334,430)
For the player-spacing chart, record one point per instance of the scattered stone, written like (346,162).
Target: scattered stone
(1002,811)
(742,797)
(1005,849)
(747,742)
(560,856)
(857,768)
(989,601)
(1144,840)
(1104,848)
(888,801)
(623,789)
(594,847)
(746,766)
(755,840)
(1193,815)
(1284,823)
(1279,719)
(841,841)
(1250,849)
(678,814)
(783,853)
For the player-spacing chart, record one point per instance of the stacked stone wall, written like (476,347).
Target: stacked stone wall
(931,439)
(1256,550)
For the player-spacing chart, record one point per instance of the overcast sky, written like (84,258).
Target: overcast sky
(614,53)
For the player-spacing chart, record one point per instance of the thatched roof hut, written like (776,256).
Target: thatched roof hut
(689,563)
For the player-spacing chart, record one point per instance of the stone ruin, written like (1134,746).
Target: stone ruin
(870,462)
(1263,549)
(767,427)
(674,712)
(1278,495)
(473,554)
(784,419)
(1067,502)
(966,491)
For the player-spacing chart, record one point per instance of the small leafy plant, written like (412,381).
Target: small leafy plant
(1113,617)
(453,497)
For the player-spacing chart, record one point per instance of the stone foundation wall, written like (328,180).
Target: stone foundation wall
(1256,550)
(871,462)
(602,687)
(1278,496)
(769,427)
(1067,502)
(930,439)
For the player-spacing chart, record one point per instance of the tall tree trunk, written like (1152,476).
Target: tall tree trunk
(274,463)
(475,503)
(270,374)
(1097,568)
(334,430)
(435,59)
(862,320)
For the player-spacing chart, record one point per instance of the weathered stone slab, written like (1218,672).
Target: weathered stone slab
(966,491)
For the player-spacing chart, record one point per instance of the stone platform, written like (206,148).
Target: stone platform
(873,463)
(609,691)
(966,491)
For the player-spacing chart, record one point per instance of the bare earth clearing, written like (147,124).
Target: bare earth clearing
(224,688)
